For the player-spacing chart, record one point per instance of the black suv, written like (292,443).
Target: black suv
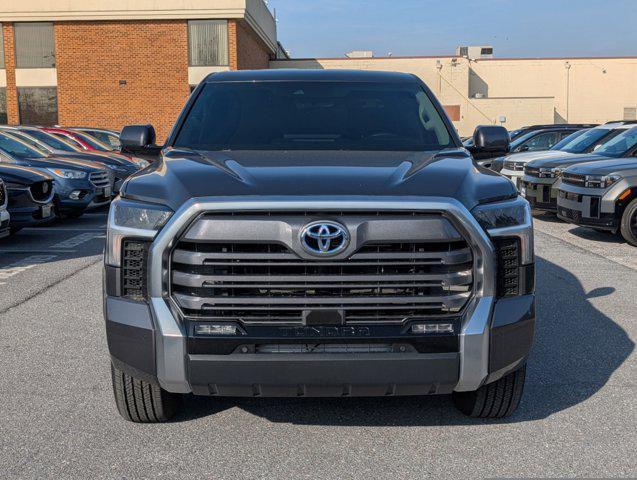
(317,233)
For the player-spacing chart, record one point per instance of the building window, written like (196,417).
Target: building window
(207,43)
(38,105)
(3,105)
(34,45)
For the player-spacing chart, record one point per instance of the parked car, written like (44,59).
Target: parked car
(337,241)
(121,166)
(534,140)
(515,134)
(30,195)
(540,176)
(601,195)
(104,135)
(79,184)
(583,141)
(5,217)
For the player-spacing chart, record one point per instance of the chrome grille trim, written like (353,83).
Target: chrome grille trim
(474,337)
(100,179)
(4,196)
(574,179)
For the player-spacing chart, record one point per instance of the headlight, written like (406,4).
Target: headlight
(502,214)
(132,219)
(600,181)
(511,218)
(64,173)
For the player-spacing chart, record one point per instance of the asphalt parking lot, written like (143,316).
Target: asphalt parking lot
(578,416)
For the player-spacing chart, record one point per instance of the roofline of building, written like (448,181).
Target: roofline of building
(407,57)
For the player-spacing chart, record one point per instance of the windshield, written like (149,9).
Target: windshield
(18,148)
(313,116)
(566,140)
(584,140)
(93,142)
(620,145)
(521,139)
(52,141)
(27,139)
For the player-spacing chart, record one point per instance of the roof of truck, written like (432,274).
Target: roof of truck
(282,75)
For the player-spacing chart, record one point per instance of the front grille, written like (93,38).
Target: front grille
(100,179)
(325,348)
(515,166)
(532,171)
(3,194)
(574,215)
(508,261)
(574,179)
(134,269)
(42,192)
(386,282)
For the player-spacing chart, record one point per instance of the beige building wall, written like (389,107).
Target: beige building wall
(525,91)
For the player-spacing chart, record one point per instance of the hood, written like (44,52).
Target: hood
(525,157)
(606,167)
(59,162)
(565,160)
(115,162)
(184,174)
(22,175)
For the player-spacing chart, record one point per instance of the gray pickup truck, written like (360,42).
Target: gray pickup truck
(317,233)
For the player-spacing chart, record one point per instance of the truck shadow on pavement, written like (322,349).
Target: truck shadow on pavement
(577,348)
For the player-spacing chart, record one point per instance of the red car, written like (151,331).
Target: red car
(83,140)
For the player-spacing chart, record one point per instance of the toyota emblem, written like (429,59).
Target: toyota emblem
(324,238)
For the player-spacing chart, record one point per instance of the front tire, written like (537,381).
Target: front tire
(495,400)
(629,223)
(140,401)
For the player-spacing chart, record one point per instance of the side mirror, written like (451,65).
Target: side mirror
(489,141)
(139,140)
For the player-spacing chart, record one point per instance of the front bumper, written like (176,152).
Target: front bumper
(26,212)
(147,339)
(541,193)
(589,207)
(90,196)
(132,336)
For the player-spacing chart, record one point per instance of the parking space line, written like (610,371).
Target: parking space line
(23,265)
(36,250)
(77,240)
(63,229)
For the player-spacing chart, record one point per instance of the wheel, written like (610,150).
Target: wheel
(629,223)
(495,400)
(142,402)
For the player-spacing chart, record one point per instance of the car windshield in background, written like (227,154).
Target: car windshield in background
(620,145)
(52,141)
(313,116)
(19,149)
(566,140)
(585,140)
(93,142)
(523,138)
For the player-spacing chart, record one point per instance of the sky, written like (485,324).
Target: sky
(515,28)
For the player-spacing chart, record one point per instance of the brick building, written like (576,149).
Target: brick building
(117,62)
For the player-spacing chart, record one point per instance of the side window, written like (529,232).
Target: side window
(543,141)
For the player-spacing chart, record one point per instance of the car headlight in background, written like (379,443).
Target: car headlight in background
(600,181)
(511,218)
(65,173)
(131,219)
